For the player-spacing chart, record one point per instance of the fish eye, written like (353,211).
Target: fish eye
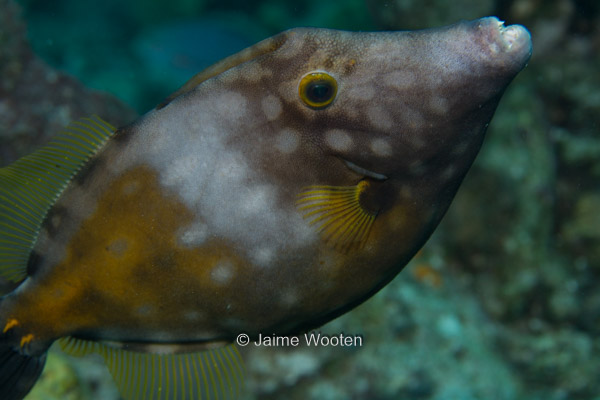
(317,89)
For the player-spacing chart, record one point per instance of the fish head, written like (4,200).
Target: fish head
(392,104)
(404,111)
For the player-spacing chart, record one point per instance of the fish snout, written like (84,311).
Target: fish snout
(508,46)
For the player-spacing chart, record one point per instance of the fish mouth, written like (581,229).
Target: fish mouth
(513,39)
(365,172)
(513,35)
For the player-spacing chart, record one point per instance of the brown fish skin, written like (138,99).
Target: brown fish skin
(186,226)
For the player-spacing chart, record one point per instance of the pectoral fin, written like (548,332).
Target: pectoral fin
(339,213)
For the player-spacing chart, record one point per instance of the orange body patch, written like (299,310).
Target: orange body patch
(125,270)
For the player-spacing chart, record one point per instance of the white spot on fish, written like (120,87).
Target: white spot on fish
(178,170)
(194,235)
(417,168)
(162,348)
(193,315)
(288,90)
(414,119)
(338,140)
(231,104)
(379,118)
(223,272)
(438,105)
(287,141)
(381,147)
(460,148)
(55,221)
(448,173)
(494,48)
(263,256)
(401,79)
(259,200)
(254,72)
(289,297)
(361,92)
(271,106)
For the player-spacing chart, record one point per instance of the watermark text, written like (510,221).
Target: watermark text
(310,339)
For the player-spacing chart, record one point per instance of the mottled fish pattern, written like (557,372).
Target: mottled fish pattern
(273,192)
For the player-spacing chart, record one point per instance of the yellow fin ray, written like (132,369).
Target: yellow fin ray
(338,214)
(210,374)
(30,186)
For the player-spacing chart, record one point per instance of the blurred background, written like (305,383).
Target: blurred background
(504,300)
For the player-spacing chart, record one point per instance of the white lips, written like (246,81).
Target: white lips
(512,36)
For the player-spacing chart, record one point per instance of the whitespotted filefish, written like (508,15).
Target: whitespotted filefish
(273,192)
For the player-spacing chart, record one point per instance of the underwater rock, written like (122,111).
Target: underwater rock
(566,358)
(58,382)
(582,231)
(37,101)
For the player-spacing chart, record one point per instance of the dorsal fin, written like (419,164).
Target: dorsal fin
(252,52)
(31,185)
(210,374)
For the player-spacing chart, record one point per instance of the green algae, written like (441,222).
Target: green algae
(59,381)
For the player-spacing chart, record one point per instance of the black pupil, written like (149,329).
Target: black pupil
(319,92)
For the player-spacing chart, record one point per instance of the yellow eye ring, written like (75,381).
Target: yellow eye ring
(317,89)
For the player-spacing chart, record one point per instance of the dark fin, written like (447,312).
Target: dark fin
(31,185)
(162,374)
(263,47)
(18,373)
(338,213)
